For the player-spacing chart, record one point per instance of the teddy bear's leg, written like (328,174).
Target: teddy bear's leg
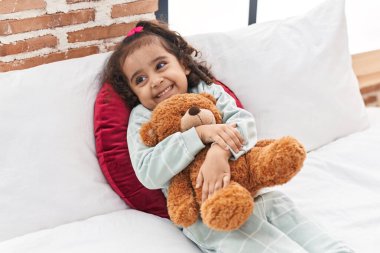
(275,163)
(228,208)
(182,207)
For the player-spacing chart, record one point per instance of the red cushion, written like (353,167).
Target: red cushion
(230,92)
(110,127)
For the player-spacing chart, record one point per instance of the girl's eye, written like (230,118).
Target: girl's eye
(160,65)
(140,79)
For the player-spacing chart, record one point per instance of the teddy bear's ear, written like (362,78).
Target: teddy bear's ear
(209,96)
(148,135)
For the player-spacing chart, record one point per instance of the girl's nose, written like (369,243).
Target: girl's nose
(157,82)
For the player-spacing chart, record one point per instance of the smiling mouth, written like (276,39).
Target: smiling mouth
(165,91)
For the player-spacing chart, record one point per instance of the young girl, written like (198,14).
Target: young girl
(152,64)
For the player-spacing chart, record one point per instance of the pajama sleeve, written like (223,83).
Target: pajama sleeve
(232,114)
(155,166)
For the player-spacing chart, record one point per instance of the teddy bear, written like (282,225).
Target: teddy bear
(268,163)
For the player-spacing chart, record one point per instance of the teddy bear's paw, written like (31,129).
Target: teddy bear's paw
(288,165)
(227,209)
(278,162)
(184,215)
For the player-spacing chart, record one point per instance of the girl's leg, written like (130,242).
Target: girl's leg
(281,212)
(257,235)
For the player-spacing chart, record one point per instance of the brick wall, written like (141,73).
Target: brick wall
(34,32)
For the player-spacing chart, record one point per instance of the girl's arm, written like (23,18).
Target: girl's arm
(212,175)
(155,166)
(232,114)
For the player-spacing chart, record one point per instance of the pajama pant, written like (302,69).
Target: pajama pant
(275,226)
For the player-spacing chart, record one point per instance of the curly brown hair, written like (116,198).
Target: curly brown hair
(171,41)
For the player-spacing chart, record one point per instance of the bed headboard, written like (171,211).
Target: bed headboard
(163,11)
(367,68)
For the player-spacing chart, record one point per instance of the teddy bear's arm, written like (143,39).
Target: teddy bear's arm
(182,207)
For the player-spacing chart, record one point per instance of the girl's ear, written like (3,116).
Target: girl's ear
(148,135)
(185,68)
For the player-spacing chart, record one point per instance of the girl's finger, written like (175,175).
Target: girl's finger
(226,180)
(218,186)
(236,137)
(229,140)
(199,180)
(210,190)
(219,140)
(204,192)
(236,132)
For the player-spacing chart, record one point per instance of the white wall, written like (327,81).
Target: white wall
(203,16)
(363,19)
(200,16)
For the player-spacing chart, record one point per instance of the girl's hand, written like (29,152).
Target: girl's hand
(222,134)
(215,171)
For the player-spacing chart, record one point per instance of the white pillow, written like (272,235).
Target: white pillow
(294,75)
(127,231)
(49,173)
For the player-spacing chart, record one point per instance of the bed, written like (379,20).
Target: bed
(294,75)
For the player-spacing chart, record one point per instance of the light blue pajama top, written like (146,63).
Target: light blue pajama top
(155,166)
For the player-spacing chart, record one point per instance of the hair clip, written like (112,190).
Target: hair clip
(137,29)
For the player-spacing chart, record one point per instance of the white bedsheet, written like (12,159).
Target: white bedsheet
(338,187)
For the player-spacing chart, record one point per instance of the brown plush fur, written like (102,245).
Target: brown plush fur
(269,163)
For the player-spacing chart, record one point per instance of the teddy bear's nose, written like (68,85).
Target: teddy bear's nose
(194,110)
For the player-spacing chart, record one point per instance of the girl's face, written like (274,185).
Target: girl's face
(154,74)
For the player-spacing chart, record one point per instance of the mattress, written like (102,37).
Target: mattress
(338,188)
